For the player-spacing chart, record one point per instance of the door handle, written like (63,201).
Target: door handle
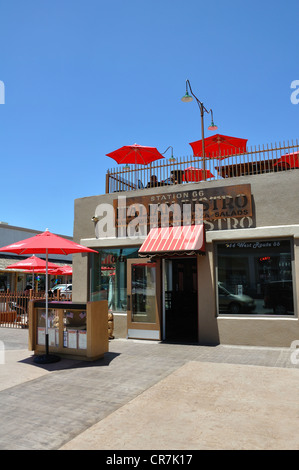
(128,302)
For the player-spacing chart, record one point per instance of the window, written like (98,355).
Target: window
(4,284)
(255,277)
(109,276)
(144,293)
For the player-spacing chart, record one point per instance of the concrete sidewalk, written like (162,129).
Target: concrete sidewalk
(205,406)
(149,395)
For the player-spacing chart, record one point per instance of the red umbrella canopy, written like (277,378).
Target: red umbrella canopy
(46,242)
(219,146)
(136,154)
(289,160)
(64,270)
(196,174)
(58,271)
(32,264)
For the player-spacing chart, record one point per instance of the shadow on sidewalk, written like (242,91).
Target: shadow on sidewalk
(66,363)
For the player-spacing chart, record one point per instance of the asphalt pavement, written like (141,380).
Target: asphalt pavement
(147,395)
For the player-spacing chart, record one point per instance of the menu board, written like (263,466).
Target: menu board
(53,336)
(82,339)
(72,339)
(41,336)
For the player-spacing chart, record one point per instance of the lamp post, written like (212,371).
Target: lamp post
(172,157)
(186,99)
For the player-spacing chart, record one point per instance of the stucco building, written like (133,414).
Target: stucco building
(236,283)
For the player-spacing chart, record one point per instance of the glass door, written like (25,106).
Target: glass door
(142,305)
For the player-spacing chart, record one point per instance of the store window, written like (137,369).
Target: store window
(255,277)
(109,276)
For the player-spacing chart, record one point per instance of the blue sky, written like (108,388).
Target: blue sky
(85,77)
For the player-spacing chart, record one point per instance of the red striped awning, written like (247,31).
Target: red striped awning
(174,239)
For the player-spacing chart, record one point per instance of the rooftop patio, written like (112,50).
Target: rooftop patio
(185,170)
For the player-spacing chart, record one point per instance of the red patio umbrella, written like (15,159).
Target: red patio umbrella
(32,265)
(67,270)
(219,146)
(46,243)
(136,154)
(195,174)
(289,160)
(59,270)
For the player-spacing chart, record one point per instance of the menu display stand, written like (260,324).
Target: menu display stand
(76,330)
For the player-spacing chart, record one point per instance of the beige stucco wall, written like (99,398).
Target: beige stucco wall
(244,329)
(276,214)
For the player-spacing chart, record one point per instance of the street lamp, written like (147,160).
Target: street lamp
(172,157)
(186,99)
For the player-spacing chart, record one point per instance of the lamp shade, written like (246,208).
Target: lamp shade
(186,98)
(212,127)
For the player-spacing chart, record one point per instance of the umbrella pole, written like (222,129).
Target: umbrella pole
(47,309)
(46,358)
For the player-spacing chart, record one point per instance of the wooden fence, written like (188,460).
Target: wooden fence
(14,307)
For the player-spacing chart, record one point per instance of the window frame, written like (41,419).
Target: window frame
(253,314)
